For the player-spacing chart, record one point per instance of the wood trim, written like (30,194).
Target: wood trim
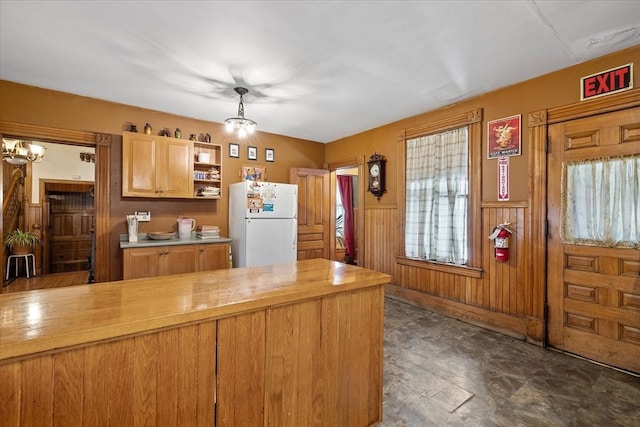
(498,205)
(102,144)
(451,122)
(535,281)
(45,133)
(605,104)
(102,208)
(498,322)
(460,270)
(473,119)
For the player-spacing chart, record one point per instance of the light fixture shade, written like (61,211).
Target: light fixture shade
(241,125)
(15,152)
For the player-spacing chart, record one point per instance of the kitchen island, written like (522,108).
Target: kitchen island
(289,344)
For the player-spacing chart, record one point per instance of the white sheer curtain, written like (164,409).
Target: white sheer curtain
(601,202)
(437,187)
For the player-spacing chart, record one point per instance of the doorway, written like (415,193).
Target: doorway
(58,203)
(346,191)
(593,270)
(347,213)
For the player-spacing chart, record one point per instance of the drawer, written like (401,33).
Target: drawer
(63,246)
(84,244)
(83,254)
(64,256)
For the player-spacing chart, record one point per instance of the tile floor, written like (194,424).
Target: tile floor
(439,371)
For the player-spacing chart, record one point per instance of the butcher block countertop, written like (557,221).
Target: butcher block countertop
(40,321)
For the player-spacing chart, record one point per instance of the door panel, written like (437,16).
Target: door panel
(593,292)
(313,212)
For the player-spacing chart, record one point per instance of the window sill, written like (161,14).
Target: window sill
(461,270)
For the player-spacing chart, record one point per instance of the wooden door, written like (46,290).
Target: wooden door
(139,162)
(178,259)
(213,256)
(175,169)
(593,291)
(313,212)
(141,262)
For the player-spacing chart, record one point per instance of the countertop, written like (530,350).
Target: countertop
(44,320)
(146,242)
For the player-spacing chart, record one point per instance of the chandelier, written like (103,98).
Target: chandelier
(240,124)
(15,152)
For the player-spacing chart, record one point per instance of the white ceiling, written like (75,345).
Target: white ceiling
(317,70)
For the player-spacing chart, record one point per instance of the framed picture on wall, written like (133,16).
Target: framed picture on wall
(504,137)
(269,154)
(252,153)
(234,150)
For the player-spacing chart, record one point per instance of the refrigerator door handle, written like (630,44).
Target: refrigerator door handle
(295,232)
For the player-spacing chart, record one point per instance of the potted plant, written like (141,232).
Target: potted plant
(21,242)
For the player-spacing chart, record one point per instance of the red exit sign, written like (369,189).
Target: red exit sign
(607,82)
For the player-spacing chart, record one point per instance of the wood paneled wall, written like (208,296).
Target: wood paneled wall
(497,296)
(380,236)
(163,378)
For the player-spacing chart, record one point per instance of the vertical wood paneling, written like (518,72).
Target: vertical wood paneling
(205,392)
(168,366)
(145,368)
(120,383)
(68,378)
(289,400)
(504,285)
(36,399)
(335,375)
(381,235)
(187,376)
(240,371)
(10,394)
(116,383)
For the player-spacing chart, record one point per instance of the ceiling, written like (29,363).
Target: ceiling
(316,70)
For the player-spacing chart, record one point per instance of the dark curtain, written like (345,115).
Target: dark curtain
(345,183)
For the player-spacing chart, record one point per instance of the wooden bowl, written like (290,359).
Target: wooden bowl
(161,235)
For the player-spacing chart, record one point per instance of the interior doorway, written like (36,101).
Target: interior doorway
(347,211)
(58,203)
(68,225)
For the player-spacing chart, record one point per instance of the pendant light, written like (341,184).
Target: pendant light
(239,124)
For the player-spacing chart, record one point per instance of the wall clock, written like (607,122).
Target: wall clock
(376,165)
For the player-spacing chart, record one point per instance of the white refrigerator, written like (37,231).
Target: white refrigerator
(263,224)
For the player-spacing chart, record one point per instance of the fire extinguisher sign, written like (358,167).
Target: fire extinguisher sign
(503,178)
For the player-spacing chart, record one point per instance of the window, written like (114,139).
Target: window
(455,202)
(601,202)
(437,197)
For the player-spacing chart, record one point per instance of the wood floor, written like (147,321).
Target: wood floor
(46,281)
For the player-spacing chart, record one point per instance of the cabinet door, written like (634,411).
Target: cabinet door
(213,256)
(139,162)
(175,171)
(178,260)
(142,262)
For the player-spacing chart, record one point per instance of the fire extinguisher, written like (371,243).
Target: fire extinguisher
(500,237)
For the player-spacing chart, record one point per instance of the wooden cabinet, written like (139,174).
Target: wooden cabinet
(70,255)
(207,170)
(70,242)
(214,257)
(175,259)
(156,166)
